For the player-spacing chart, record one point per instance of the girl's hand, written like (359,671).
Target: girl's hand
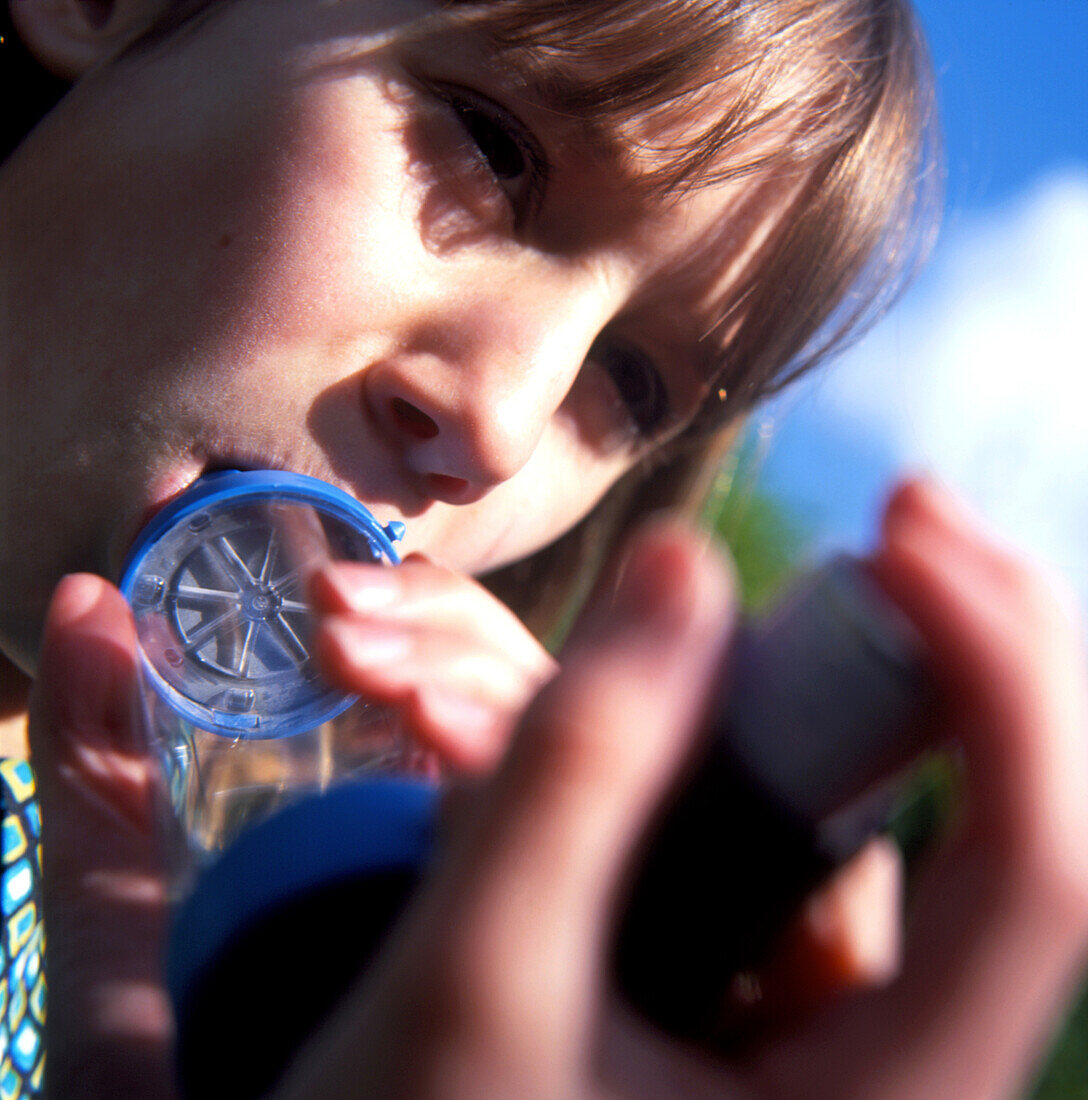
(109,1022)
(497,982)
(458,664)
(998,933)
(108,1019)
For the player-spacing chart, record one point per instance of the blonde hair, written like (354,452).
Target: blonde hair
(834,94)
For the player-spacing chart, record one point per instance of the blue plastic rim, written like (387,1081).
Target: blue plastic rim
(269,686)
(226,487)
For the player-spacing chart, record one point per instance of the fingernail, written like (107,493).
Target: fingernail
(75,597)
(367,643)
(362,588)
(923,499)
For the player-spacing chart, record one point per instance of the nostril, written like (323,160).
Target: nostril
(446,487)
(412,420)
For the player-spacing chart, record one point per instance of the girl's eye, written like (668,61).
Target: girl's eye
(638,383)
(496,145)
(503,144)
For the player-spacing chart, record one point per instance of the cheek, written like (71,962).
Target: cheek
(339,238)
(315,270)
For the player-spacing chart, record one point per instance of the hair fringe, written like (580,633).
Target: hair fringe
(863,136)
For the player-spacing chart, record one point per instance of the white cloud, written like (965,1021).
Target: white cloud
(981,374)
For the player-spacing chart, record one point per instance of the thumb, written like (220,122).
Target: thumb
(492,979)
(592,759)
(107,1025)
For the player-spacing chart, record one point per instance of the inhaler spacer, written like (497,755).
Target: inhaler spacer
(232,697)
(275,784)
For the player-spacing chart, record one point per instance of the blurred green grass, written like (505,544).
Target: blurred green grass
(1064,1075)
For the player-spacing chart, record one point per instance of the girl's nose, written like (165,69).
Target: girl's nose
(467,402)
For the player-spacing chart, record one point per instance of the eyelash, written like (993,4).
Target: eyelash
(504,146)
(638,383)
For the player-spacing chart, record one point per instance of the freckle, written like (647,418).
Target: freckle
(226,240)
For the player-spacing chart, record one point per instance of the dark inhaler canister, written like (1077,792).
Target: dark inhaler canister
(818,706)
(822,705)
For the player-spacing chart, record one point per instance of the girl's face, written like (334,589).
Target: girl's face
(314,236)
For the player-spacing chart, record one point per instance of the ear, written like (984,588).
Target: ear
(68,37)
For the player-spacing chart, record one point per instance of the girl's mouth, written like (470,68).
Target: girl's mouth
(161,493)
(165,488)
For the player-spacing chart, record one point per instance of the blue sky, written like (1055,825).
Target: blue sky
(1013,85)
(981,373)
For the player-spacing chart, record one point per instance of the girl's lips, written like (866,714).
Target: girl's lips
(164,490)
(161,492)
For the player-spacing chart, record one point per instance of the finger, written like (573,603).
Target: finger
(455,696)
(998,928)
(386,661)
(504,951)
(1011,663)
(469,736)
(601,742)
(849,931)
(423,592)
(108,1024)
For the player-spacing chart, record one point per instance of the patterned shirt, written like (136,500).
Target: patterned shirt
(22,979)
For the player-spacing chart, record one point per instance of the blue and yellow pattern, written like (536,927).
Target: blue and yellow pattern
(22,981)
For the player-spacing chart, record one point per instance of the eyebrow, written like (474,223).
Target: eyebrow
(700,343)
(563,95)
(552,86)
